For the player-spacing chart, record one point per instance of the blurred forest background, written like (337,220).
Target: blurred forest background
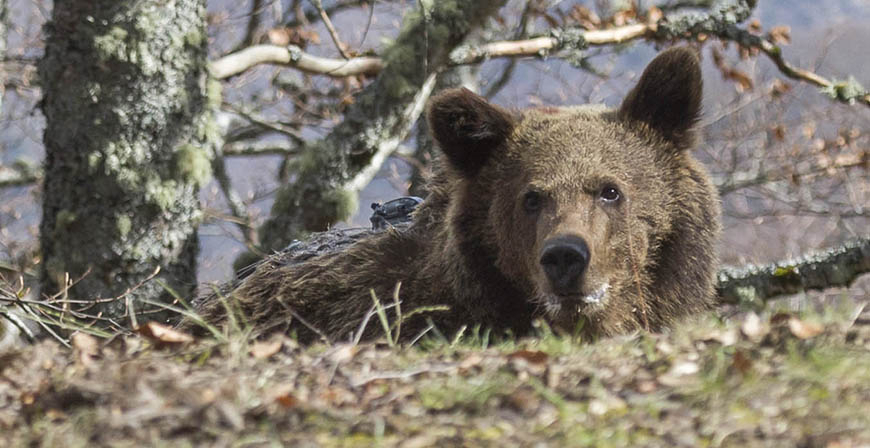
(790,158)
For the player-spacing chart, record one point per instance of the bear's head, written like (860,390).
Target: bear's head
(577,206)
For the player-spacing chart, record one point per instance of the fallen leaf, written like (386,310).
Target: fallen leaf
(525,400)
(726,337)
(741,362)
(343,353)
(803,329)
(530,356)
(646,386)
(86,347)
(780,318)
(287,400)
(163,335)
(265,349)
(472,360)
(679,374)
(55,414)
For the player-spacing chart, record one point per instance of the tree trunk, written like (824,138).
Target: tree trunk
(329,173)
(4,27)
(128,144)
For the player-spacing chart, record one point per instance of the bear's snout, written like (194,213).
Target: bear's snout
(564,259)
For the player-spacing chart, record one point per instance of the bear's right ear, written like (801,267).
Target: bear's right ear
(467,128)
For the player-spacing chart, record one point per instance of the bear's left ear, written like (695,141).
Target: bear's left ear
(668,96)
(467,128)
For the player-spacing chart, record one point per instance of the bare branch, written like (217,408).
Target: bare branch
(720,22)
(740,180)
(293,56)
(236,205)
(303,18)
(834,267)
(264,123)
(379,119)
(254,22)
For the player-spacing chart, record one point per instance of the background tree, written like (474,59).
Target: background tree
(128,144)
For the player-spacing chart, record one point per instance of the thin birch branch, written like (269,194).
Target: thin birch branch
(293,56)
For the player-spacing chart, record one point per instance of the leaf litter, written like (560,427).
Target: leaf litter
(755,380)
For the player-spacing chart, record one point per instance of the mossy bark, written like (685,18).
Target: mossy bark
(128,144)
(317,196)
(4,27)
(835,267)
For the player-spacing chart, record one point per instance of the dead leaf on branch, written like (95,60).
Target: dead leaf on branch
(780,34)
(300,37)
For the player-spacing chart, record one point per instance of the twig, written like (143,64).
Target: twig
(331,29)
(262,122)
(304,322)
(254,22)
(740,180)
(368,23)
(237,207)
(507,73)
(303,18)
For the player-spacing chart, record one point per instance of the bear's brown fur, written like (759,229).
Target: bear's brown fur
(595,220)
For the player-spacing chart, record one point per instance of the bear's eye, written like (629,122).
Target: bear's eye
(532,202)
(610,194)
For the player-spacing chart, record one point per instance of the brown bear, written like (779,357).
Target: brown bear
(597,221)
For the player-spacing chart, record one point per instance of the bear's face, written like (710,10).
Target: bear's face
(575,211)
(573,201)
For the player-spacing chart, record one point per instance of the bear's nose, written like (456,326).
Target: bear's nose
(564,260)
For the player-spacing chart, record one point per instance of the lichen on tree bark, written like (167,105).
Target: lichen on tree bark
(4,16)
(318,195)
(835,267)
(128,144)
